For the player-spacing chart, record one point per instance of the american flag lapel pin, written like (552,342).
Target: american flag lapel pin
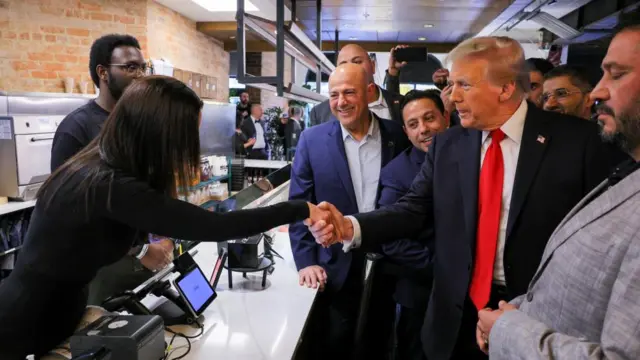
(540,139)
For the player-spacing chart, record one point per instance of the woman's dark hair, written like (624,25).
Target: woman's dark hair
(102,49)
(151,135)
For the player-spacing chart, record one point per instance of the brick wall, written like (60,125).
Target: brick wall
(253,64)
(42,42)
(174,37)
(269,99)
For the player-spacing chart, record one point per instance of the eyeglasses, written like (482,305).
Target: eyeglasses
(132,69)
(560,93)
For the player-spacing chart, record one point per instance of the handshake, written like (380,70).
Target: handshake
(327,225)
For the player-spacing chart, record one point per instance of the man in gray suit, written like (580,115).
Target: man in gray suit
(584,301)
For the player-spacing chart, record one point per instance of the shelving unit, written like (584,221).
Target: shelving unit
(16,206)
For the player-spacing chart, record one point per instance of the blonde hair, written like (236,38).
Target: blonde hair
(504,55)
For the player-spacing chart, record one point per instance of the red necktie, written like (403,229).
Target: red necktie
(489,206)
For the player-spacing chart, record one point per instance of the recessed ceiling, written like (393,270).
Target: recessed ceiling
(404,21)
(194,11)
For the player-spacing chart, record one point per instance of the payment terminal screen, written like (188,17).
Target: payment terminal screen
(196,289)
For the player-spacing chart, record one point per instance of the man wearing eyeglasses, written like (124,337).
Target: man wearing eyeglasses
(114,62)
(566,90)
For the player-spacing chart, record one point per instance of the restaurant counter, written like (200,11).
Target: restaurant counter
(249,322)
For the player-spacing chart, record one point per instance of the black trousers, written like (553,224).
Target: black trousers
(257,154)
(466,346)
(408,343)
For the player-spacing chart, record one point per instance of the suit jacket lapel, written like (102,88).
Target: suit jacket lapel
(593,206)
(392,104)
(535,140)
(387,142)
(469,172)
(338,156)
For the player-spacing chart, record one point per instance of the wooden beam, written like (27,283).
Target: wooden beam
(210,27)
(263,46)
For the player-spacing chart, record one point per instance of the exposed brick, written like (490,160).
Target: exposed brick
(50,38)
(24,65)
(89,6)
(83,60)
(40,56)
(36,36)
(78,32)
(44,74)
(66,58)
(124,19)
(52,29)
(101,16)
(54,66)
(25,36)
(74,50)
(9,34)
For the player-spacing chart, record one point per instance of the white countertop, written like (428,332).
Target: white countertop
(13,206)
(247,322)
(265,164)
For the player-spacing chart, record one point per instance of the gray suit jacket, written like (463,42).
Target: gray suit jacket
(584,301)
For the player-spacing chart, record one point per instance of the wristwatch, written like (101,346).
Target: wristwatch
(142,252)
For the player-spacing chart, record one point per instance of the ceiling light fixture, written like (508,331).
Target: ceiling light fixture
(232,37)
(224,6)
(347,26)
(422,38)
(353,38)
(428,26)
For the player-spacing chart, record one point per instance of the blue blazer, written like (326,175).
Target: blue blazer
(409,259)
(320,172)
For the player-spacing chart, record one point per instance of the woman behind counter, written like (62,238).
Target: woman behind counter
(90,211)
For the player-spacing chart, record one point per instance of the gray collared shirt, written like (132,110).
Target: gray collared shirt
(364,159)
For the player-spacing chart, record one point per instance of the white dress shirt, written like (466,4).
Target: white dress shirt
(365,160)
(510,146)
(380,107)
(260,143)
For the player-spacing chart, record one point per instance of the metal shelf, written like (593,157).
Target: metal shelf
(10,251)
(14,206)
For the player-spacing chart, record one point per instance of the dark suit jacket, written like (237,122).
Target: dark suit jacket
(248,128)
(320,172)
(321,113)
(551,177)
(408,259)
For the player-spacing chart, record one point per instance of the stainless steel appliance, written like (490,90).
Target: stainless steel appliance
(28,123)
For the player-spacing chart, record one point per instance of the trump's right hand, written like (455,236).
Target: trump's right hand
(336,229)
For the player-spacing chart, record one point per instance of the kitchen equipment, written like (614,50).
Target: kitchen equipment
(26,136)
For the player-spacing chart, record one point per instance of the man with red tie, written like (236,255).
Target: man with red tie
(493,190)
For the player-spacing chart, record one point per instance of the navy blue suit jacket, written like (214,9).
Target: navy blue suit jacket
(561,159)
(409,259)
(320,172)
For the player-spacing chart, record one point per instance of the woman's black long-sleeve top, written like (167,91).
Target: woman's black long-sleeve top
(73,236)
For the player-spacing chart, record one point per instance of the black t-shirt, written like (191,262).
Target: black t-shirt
(76,131)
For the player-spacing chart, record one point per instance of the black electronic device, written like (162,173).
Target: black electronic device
(411,54)
(195,290)
(123,337)
(184,263)
(245,253)
(218,267)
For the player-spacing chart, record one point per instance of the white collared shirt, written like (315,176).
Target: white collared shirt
(380,107)
(260,143)
(510,146)
(364,158)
